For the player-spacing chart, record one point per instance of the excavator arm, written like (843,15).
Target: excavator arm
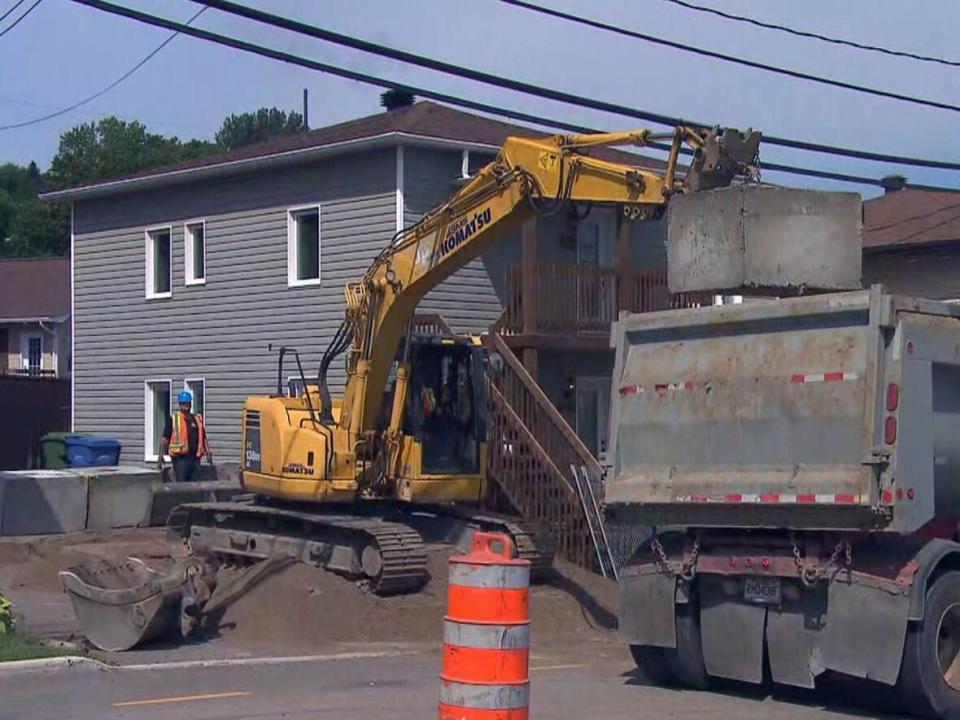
(528,177)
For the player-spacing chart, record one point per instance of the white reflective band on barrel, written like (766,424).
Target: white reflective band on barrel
(506,577)
(486,637)
(495,697)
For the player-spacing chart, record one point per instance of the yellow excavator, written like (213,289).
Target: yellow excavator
(361,484)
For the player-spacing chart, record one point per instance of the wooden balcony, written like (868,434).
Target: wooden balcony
(570,299)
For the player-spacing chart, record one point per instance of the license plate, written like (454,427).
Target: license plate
(762,589)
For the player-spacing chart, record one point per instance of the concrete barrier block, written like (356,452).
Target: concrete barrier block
(119,496)
(167,496)
(43,502)
(757,239)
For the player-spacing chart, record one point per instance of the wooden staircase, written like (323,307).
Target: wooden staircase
(531,450)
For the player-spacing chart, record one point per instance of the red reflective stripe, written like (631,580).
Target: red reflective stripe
(734,497)
(887,497)
(831,376)
(629,389)
(688,385)
(797,378)
(806,498)
(845,498)
(770,498)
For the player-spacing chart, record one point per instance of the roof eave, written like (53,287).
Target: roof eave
(202,172)
(36,319)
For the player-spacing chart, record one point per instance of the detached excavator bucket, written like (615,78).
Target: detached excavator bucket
(122,604)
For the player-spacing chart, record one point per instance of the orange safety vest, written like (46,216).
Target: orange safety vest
(179,439)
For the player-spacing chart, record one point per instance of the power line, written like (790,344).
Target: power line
(109,87)
(919,216)
(17,4)
(814,36)
(541,92)
(423,92)
(16,22)
(733,58)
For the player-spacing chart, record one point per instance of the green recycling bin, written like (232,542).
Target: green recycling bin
(53,448)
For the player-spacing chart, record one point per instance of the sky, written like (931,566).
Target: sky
(64,51)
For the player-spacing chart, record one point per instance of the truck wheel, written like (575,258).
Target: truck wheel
(686,661)
(652,663)
(929,682)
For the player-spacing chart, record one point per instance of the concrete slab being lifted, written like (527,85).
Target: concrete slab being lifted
(764,240)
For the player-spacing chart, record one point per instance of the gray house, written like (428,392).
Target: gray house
(182,277)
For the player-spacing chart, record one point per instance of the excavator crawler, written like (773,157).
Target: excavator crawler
(360,484)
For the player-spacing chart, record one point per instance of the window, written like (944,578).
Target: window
(158,262)
(294,387)
(197,388)
(156,410)
(303,246)
(195,252)
(31,352)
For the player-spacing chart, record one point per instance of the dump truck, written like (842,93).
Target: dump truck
(800,462)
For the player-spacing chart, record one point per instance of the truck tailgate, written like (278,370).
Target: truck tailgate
(747,415)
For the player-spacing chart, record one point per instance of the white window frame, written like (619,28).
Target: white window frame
(25,338)
(189,271)
(291,380)
(150,453)
(292,280)
(186,386)
(148,251)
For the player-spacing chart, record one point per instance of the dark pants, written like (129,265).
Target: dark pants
(186,468)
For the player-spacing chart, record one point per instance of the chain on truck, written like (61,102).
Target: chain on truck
(800,459)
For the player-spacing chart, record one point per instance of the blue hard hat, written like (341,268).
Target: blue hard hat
(184,397)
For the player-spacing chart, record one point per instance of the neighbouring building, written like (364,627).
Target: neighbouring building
(35,317)
(183,277)
(911,242)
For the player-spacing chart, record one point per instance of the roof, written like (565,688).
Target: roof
(34,288)
(911,217)
(423,122)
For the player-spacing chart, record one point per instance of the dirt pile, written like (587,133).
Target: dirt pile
(302,609)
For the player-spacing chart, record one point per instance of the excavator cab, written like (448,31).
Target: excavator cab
(446,405)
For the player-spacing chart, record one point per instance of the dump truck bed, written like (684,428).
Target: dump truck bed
(836,411)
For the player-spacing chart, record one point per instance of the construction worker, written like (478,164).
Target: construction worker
(185,440)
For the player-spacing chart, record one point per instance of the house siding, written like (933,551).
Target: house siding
(470,300)
(918,272)
(218,331)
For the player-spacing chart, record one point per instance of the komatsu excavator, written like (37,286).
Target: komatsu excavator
(360,483)
(357,484)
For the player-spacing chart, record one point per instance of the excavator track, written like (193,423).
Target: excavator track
(388,558)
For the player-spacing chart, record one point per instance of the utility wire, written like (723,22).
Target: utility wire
(423,92)
(912,235)
(16,22)
(109,87)
(814,36)
(733,58)
(919,216)
(17,4)
(541,92)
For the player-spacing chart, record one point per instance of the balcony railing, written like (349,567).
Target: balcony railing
(586,299)
(31,373)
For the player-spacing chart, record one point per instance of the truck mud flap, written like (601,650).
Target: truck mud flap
(826,628)
(865,644)
(794,633)
(647,598)
(731,633)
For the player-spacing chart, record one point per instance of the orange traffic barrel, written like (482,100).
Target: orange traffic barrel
(486,634)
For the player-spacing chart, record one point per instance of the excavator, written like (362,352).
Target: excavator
(361,483)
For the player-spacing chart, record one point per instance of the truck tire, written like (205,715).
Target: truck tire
(652,663)
(686,661)
(929,682)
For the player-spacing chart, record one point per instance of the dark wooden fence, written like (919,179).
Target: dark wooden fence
(29,408)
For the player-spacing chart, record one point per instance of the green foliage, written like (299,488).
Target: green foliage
(6,615)
(248,128)
(105,149)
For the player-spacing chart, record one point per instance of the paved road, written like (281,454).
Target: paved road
(401,685)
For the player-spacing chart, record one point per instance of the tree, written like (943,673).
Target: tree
(109,148)
(264,124)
